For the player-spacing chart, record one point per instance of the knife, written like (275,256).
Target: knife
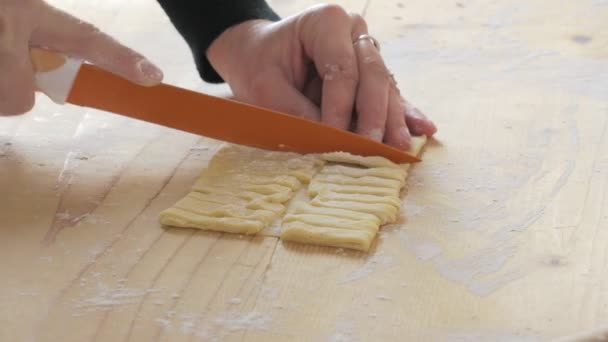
(67,80)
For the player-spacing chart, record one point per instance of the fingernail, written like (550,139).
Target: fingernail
(427,122)
(150,72)
(417,113)
(433,128)
(408,106)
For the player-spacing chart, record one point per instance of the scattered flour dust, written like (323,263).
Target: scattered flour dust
(241,321)
(343,332)
(215,329)
(383,297)
(235,301)
(108,298)
(164,323)
(379,260)
(423,249)
(69,218)
(199,147)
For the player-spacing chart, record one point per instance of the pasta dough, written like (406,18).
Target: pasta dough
(342,199)
(243,190)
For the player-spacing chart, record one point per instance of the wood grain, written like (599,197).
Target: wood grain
(503,229)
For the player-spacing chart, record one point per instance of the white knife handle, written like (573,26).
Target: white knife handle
(54,73)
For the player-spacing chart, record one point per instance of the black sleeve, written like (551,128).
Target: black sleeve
(201,21)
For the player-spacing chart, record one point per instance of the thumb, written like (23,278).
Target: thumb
(16,83)
(62,32)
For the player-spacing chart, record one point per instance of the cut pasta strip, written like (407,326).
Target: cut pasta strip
(326,236)
(278,197)
(332,222)
(357,172)
(180,218)
(361,181)
(347,158)
(386,213)
(335,196)
(315,187)
(341,213)
(211,209)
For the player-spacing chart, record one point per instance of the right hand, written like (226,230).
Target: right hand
(34,23)
(312,65)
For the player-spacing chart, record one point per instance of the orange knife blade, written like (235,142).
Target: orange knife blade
(217,118)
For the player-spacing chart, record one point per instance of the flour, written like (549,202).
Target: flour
(199,148)
(69,218)
(47,259)
(96,250)
(423,249)
(383,297)
(108,298)
(343,332)
(241,321)
(410,209)
(95,219)
(235,301)
(269,293)
(215,328)
(377,261)
(164,323)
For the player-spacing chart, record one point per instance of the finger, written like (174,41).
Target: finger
(397,134)
(313,90)
(373,91)
(64,33)
(417,122)
(334,58)
(274,91)
(17,82)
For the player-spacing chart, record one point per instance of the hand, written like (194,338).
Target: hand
(34,23)
(308,65)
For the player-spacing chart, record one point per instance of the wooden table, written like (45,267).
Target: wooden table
(505,234)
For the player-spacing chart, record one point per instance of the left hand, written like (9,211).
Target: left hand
(308,65)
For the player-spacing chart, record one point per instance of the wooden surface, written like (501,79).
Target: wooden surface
(504,235)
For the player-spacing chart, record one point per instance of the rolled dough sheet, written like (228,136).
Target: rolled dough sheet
(333,199)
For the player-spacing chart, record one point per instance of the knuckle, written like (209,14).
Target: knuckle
(375,64)
(345,68)
(333,12)
(89,29)
(376,67)
(358,20)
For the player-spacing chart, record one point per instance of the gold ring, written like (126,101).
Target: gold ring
(368,38)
